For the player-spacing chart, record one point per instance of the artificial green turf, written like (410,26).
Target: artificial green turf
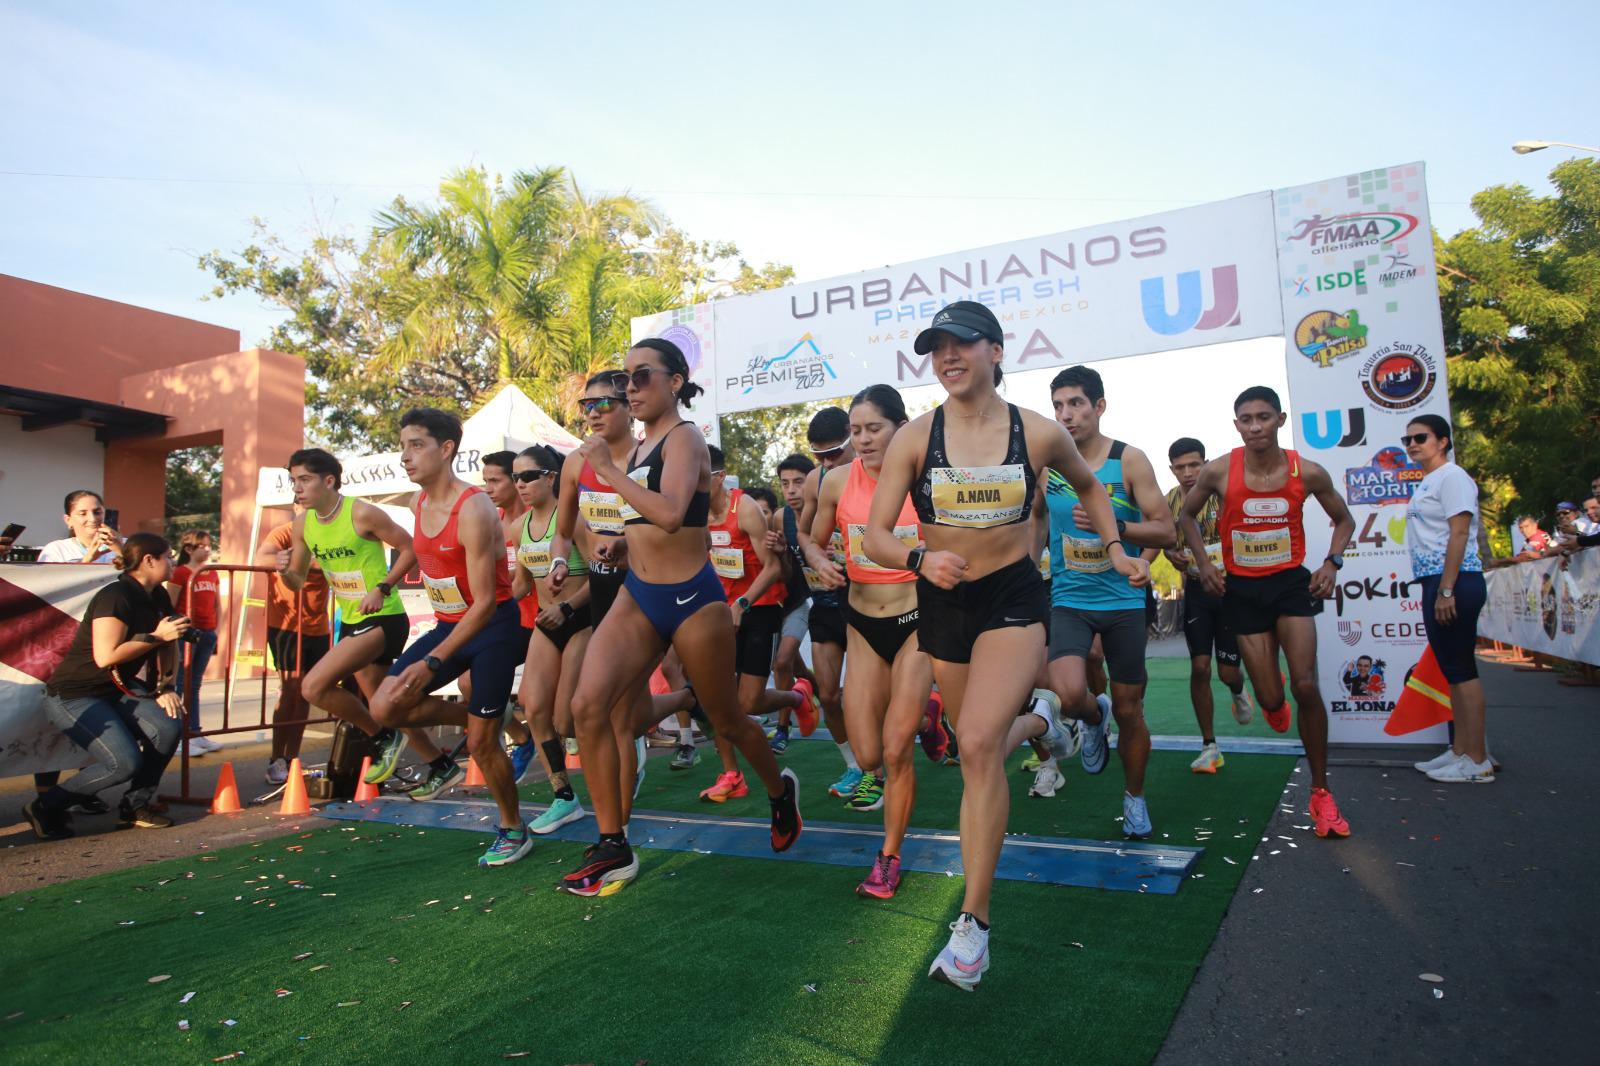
(705,959)
(1168,710)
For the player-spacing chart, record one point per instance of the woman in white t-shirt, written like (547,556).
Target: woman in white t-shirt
(1442,538)
(92,541)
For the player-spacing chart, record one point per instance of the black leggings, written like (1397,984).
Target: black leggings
(1454,645)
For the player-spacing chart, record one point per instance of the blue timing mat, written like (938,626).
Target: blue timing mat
(1228,745)
(1125,867)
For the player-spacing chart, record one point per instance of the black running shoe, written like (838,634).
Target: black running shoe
(605,869)
(141,817)
(47,824)
(786,823)
(90,805)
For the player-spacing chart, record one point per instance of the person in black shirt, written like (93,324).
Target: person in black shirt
(95,697)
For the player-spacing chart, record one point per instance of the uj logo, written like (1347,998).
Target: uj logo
(1192,312)
(803,367)
(1329,428)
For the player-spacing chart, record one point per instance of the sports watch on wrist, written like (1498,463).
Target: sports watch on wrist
(385,588)
(1337,561)
(567,609)
(1447,593)
(434,663)
(914,559)
(743,602)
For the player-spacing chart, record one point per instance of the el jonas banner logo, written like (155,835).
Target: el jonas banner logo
(1362,679)
(1346,233)
(1326,336)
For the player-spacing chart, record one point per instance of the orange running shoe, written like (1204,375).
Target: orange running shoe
(730,785)
(1325,814)
(1280,718)
(809,710)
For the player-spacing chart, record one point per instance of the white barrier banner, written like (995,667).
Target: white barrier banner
(693,330)
(40,606)
(1549,605)
(1202,275)
(1365,348)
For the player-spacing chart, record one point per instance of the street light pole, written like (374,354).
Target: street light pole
(1524,147)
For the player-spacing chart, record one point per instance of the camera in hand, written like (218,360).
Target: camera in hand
(189,636)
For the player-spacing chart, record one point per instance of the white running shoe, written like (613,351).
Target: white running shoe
(1438,762)
(1046,780)
(196,748)
(1244,707)
(1464,771)
(965,958)
(277,771)
(1063,736)
(1210,760)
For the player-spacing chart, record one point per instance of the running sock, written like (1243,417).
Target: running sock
(686,733)
(848,756)
(618,839)
(555,753)
(976,920)
(1042,709)
(1207,740)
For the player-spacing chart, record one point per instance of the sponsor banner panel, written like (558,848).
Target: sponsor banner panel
(693,329)
(1364,347)
(1549,605)
(1202,275)
(40,607)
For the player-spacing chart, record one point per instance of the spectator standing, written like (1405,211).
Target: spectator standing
(297,633)
(195,595)
(1441,538)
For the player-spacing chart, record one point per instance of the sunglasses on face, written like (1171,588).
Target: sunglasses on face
(641,377)
(824,454)
(1416,438)
(600,404)
(528,477)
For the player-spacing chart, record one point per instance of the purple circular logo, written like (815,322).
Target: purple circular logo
(688,342)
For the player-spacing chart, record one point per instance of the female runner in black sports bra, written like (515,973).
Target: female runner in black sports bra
(981,602)
(671,599)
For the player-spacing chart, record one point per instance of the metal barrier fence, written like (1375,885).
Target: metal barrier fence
(235,602)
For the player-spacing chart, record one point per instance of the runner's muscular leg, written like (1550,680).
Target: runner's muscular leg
(866,699)
(911,678)
(1299,637)
(705,644)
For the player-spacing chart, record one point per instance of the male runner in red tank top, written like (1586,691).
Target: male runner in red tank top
(461,553)
(1268,598)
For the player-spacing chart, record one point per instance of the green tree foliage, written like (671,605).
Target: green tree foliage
(194,491)
(525,280)
(755,442)
(1520,296)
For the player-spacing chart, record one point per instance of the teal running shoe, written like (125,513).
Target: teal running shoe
(438,781)
(509,846)
(687,758)
(846,784)
(560,812)
(391,742)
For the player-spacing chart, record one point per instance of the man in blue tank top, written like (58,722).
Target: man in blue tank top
(1089,599)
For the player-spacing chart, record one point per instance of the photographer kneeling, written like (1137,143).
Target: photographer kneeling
(130,727)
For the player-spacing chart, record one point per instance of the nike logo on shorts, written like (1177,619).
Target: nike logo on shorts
(688,599)
(1024,621)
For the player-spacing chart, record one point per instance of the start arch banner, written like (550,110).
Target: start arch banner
(1341,269)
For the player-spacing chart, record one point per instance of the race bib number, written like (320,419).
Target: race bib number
(638,477)
(836,549)
(603,511)
(1044,566)
(1084,555)
(813,580)
(535,558)
(1254,548)
(443,595)
(1213,552)
(978,497)
(346,584)
(728,562)
(907,535)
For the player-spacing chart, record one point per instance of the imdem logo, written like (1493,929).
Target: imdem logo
(1334,429)
(1192,312)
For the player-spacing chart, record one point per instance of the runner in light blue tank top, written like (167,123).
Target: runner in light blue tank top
(1080,572)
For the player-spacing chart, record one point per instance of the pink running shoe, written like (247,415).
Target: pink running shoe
(1325,815)
(809,710)
(883,881)
(730,785)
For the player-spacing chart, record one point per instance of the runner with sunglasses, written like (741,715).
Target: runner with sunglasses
(585,495)
(886,688)
(751,576)
(562,628)
(972,467)
(829,437)
(671,598)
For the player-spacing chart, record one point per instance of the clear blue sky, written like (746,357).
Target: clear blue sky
(830,136)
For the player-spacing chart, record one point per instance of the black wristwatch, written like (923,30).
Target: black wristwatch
(567,609)
(1122,528)
(914,559)
(385,588)
(1337,561)
(434,663)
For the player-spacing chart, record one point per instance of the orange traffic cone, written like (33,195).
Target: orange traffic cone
(225,800)
(474,775)
(1425,700)
(574,764)
(365,793)
(295,800)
